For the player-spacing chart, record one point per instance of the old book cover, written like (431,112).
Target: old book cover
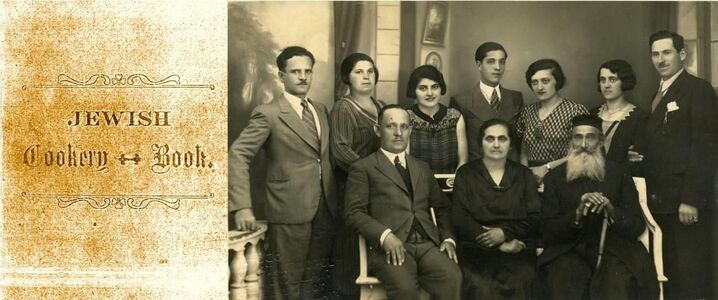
(114,150)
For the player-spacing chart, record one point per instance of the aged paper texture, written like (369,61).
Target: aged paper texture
(114,150)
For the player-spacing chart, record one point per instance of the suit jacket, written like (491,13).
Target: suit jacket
(476,110)
(561,235)
(679,146)
(297,172)
(377,199)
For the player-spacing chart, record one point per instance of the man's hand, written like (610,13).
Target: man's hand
(244,218)
(593,203)
(539,173)
(394,249)
(513,246)
(687,214)
(634,156)
(450,250)
(492,237)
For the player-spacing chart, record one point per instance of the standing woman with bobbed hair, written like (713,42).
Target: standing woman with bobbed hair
(622,120)
(352,137)
(545,126)
(438,132)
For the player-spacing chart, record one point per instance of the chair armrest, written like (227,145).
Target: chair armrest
(446,182)
(363,278)
(651,226)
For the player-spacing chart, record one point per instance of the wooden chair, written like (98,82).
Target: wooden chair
(370,288)
(653,245)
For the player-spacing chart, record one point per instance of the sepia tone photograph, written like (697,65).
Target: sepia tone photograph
(472,150)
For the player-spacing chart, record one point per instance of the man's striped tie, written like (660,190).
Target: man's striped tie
(308,119)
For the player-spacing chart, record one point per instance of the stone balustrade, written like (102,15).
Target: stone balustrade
(245,272)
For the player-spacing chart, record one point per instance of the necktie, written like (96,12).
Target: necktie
(657,98)
(494,103)
(403,172)
(308,119)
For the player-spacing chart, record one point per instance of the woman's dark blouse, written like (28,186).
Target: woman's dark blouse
(628,132)
(512,206)
(434,140)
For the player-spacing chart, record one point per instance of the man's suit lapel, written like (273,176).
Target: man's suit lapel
(479,105)
(387,168)
(506,110)
(676,89)
(324,123)
(290,117)
(414,173)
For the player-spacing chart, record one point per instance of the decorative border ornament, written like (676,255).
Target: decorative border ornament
(134,81)
(119,201)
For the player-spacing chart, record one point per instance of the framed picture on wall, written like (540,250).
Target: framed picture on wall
(434,59)
(437,14)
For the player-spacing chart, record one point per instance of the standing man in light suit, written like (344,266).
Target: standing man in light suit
(488,99)
(301,206)
(388,197)
(679,159)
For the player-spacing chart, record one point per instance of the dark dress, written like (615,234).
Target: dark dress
(512,206)
(351,138)
(547,140)
(433,140)
(621,130)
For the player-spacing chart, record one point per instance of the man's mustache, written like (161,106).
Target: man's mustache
(580,150)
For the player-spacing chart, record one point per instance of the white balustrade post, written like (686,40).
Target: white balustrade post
(237,288)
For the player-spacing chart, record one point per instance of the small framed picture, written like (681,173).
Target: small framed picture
(437,14)
(434,59)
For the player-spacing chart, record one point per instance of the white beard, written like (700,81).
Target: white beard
(588,164)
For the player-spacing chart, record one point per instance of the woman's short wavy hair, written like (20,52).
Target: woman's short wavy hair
(428,72)
(624,71)
(350,61)
(547,64)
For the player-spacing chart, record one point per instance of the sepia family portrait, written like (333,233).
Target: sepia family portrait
(472,150)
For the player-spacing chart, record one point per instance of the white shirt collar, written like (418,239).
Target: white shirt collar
(295,101)
(390,156)
(296,104)
(488,90)
(665,84)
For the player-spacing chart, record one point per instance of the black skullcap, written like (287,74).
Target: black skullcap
(590,120)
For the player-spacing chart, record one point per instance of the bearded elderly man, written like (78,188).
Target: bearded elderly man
(577,197)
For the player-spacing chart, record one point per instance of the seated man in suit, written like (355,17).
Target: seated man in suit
(388,200)
(578,262)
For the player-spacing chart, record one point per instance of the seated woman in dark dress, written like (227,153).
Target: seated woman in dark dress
(495,214)
(622,120)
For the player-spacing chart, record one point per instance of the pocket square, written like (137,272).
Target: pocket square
(672,106)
